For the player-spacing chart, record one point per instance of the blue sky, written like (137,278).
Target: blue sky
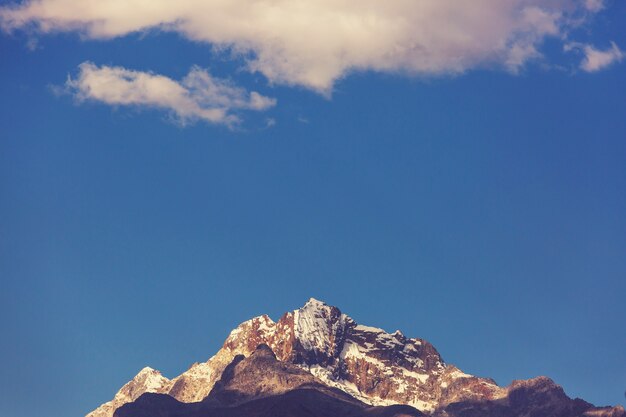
(466,192)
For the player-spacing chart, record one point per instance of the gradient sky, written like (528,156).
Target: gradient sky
(476,203)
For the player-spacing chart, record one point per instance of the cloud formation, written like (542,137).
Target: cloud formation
(198,96)
(313,43)
(594,5)
(596,59)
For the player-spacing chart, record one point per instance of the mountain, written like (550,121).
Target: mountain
(316,352)
(262,386)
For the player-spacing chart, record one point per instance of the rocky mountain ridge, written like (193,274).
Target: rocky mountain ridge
(262,386)
(372,366)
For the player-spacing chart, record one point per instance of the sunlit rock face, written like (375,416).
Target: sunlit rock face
(368,363)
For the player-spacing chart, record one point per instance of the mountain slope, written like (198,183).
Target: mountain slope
(261,386)
(147,380)
(369,364)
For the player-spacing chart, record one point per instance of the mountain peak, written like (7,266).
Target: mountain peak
(147,370)
(149,379)
(315,302)
(319,327)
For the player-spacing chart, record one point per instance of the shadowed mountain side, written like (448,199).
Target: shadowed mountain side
(262,375)
(537,397)
(302,402)
(262,386)
(156,405)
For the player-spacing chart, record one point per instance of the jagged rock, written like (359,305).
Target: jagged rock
(262,386)
(147,380)
(367,363)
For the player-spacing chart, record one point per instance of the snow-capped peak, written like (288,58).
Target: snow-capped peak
(320,328)
(314,302)
(147,370)
(150,380)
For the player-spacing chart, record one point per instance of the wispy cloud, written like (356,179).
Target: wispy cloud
(594,5)
(198,96)
(313,43)
(597,59)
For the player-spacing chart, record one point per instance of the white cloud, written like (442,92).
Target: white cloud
(198,96)
(313,43)
(594,5)
(596,59)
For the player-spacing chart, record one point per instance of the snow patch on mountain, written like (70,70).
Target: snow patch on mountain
(316,328)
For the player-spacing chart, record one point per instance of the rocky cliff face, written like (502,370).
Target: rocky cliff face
(261,386)
(369,364)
